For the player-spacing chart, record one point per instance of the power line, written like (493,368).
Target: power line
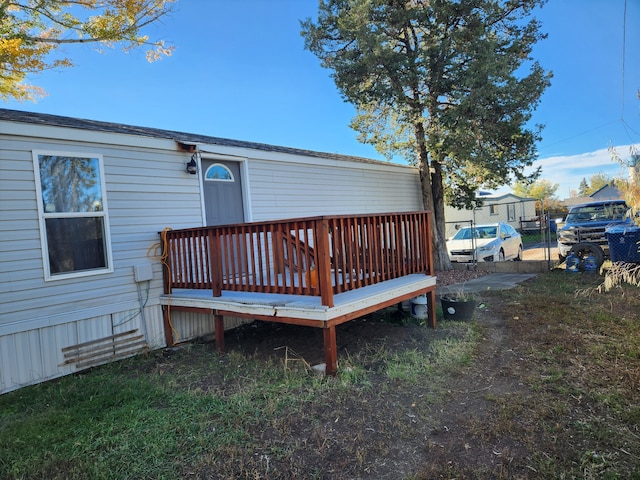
(582,133)
(624,49)
(626,125)
(631,132)
(629,129)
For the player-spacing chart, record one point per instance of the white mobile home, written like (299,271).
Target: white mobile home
(507,208)
(82,205)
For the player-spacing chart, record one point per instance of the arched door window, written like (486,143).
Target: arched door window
(218,173)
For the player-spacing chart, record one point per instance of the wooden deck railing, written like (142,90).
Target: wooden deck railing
(318,256)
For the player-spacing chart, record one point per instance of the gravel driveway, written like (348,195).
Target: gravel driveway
(541,253)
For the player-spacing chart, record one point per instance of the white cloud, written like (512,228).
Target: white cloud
(569,170)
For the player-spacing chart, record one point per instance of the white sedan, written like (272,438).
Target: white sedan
(496,242)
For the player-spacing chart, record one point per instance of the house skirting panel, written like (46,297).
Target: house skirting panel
(188,325)
(36,355)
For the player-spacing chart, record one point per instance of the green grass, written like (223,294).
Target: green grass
(544,384)
(530,238)
(440,358)
(110,424)
(583,376)
(163,418)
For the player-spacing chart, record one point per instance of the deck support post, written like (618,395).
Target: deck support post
(330,350)
(431,314)
(218,325)
(168,330)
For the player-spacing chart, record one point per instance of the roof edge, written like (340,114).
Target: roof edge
(184,137)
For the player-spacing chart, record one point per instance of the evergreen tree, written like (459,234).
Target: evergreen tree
(448,84)
(583,188)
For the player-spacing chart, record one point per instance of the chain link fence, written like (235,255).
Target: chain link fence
(453,227)
(538,235)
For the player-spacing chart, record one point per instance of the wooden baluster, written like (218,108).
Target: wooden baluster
(271,259)
(376,248)
(297,246)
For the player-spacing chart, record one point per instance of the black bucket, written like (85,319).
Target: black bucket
(457,310)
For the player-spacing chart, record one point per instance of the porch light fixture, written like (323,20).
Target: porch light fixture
(192,166)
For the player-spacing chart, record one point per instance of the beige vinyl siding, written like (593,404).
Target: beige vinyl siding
(524,207)
(146,191)
(287,189)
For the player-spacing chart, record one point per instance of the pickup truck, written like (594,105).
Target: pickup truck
(584,229)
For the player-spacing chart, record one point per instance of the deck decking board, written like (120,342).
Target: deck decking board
(304,310)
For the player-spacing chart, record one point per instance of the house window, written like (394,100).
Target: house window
(74,227)
(218,173)
(493,209)
(511,212)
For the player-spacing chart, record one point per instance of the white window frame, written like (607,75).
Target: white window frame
(493,209)
(42,216)
(214,165)
(511,212)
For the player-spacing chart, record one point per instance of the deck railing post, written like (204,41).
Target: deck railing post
(323,259)
(165,256)
(429,242)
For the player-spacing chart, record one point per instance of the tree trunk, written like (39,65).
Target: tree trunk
(432,199)
(440,235)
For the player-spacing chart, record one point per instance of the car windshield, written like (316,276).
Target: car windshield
(478,232)
(590,213)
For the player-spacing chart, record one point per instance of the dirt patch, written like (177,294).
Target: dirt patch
(395,435)
(398,434)
(521,409)
(451,277)
(291,342)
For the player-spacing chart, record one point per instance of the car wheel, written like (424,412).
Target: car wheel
(519,256)
(501,256)
(583,249)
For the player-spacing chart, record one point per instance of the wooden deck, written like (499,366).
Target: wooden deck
(317,272)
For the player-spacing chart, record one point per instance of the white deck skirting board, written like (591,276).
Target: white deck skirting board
(300,306)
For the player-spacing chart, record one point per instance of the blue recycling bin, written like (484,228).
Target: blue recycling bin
(624,243)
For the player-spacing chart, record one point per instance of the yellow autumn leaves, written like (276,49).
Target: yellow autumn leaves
(32,32)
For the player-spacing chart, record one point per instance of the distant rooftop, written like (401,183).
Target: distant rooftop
(608,192)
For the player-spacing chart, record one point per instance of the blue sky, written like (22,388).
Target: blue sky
(240,71)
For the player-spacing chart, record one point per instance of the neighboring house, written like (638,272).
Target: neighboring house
(82,205)
(507,208)
(608,192)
